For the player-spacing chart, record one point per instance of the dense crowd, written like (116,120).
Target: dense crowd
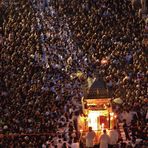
(45,43)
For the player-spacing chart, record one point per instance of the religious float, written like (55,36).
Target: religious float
(97,109)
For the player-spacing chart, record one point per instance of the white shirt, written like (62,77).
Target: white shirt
(75,145)
(43,146)
(59,145)
(89,138)
(104,141)
(113,136)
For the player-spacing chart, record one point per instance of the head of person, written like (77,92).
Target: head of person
(115,127)
(75,140)
(90,128)
(104,131)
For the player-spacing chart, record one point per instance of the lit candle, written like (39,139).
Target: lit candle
(102,126)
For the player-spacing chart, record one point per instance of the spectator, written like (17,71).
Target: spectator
(90,137)
(125,127)
(75,143)
(104,140)
(114,137)
(44,46)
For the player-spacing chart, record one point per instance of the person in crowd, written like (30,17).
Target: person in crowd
(75,143)
(104,140)
(90,137)
(44,44)
(114,137)
(126,131)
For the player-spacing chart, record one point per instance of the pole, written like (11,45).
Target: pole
(109,120)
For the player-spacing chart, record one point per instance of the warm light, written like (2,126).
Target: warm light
(104,61)
(105,106)
(111,118)
(92,104)
(102,126)
(93,119)
(112,114)
(115,116)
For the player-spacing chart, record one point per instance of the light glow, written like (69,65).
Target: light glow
(104,61)
(102,126)
(93,119)
(112,114)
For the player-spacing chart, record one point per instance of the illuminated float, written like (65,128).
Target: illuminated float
(97,109)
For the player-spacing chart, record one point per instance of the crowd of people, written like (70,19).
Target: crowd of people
(44,44)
